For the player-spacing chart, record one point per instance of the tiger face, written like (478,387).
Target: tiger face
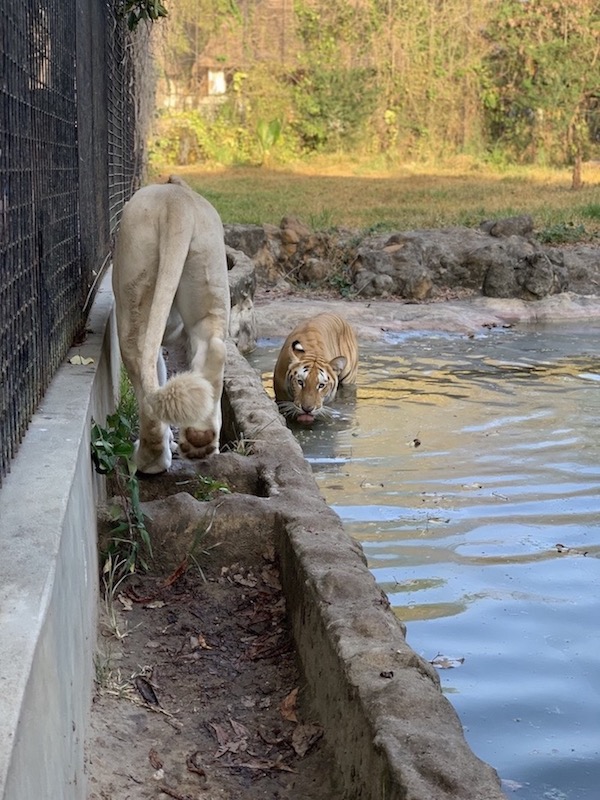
(318,355)
(311,383)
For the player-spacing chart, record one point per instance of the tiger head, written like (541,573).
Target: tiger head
(311,382)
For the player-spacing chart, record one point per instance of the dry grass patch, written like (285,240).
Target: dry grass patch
(361,196)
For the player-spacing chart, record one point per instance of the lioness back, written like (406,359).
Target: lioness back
(318,355)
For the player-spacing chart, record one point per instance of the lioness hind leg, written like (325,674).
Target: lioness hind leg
(154,447)
(201,441)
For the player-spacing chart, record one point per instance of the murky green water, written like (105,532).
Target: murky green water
(461,464)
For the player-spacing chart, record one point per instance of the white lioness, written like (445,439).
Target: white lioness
(171,287)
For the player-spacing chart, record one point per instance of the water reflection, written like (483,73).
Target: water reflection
(462,530)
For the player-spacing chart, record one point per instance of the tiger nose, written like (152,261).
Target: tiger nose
(308,409)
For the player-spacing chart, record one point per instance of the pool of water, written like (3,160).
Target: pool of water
(469,469)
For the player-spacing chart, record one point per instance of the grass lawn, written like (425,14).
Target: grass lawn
(330,193)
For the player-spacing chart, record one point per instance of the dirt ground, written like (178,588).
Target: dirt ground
(198,692)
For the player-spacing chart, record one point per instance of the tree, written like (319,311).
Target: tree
(544,79)
(190,26)
(428,58)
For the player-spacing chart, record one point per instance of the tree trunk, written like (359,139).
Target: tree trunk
(576,182)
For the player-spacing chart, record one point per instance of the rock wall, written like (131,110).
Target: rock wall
(242,285)
(501,258)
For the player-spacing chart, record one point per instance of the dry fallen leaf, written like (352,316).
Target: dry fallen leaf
(220,733)
(238,728)
(250,581)
(305,736)
(145,689)
(192,764)
(226,743)
(125,602)
(199,642)
(287,706)
(155,759)
(239,746)
(81,361)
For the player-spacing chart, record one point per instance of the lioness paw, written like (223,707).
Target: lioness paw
(194,443)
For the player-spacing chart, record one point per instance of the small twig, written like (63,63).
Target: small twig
(193,766)
(172,793)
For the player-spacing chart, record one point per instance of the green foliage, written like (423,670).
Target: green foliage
(268,135)
(187,137)
(333,97)
(137,10)
(562,233)
(208,488)
(331,107)
(192,23)
(321,220)
(113,456)
(419,81)
(112,445)
(341,281)
(590,211)
(542,79)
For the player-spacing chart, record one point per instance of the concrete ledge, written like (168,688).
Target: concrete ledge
(394,733)
(49,575)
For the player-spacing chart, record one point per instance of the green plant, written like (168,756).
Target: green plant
(196,550)
(268,135)
(321,220)
(113,455)
(114,572)
(590,211)
(137,10)
(561,233)
(242,446)
(207,488)
(342,282)
(187,137)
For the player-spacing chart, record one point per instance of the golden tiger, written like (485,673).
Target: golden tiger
(318,355)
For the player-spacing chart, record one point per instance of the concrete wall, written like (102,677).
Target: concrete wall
(49,575)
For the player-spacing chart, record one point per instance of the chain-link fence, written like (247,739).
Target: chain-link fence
(70,155)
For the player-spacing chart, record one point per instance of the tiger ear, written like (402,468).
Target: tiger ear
(297,351)
(338,363)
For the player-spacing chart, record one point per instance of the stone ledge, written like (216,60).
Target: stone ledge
(394,733)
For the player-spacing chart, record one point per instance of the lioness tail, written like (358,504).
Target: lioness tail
(186,400)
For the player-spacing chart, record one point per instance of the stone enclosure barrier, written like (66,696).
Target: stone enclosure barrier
(501,259)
